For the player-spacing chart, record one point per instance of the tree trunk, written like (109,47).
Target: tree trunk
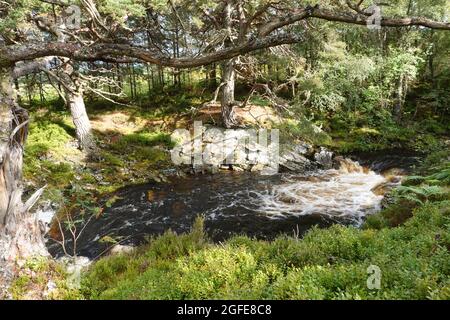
(73,91)
(227,100)
(83,129)
(228,75)
(398,108)
(20,235)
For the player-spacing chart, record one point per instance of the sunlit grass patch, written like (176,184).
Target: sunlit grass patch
(148,139)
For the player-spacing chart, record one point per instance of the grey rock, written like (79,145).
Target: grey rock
(238,150)
(293,161)
(324,158)
(304,148)
(121,249)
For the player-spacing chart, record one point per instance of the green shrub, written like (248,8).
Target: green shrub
(304,130)
(326,264)
(112,159)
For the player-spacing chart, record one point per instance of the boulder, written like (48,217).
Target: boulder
(324,158)
(121,249)
(292,161)
(239,150)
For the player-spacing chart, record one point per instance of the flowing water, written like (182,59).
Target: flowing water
(343,193)
(237,203)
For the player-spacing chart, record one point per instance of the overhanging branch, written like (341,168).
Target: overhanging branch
(109,51)
(11,54)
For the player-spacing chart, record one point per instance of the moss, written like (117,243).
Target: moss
(48,150)
(59,173)
(112,159)
(148,139)
(46,137)
(34,278)
(150,154)
(302,129)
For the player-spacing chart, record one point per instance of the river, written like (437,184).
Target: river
(246,203)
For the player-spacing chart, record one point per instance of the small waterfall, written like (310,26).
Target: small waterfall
(344,192)
(244,203)
(349,166)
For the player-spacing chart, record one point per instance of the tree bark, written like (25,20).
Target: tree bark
(83,128)
(227,100)
(20,235)
(73,91)
(228,74)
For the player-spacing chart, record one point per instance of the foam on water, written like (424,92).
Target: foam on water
(346,192)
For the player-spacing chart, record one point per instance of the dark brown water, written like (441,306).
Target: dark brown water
(238,203)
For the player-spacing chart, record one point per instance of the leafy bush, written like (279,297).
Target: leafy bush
(409,241)
(304,130)
(327,264)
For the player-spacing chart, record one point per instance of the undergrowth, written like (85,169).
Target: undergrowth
(409,243)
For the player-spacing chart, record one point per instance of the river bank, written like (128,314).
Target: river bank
(140,156)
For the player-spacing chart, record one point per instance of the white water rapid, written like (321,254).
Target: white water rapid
(345,192)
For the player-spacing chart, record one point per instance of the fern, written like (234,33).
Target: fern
(419,194)
(441,176)
(413,180)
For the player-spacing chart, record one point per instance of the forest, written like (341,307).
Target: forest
(224,149)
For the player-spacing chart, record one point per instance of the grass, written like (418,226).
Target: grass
(143,139)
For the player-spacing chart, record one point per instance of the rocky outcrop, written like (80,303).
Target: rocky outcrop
(241,150)
(324,158)
(292,161)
